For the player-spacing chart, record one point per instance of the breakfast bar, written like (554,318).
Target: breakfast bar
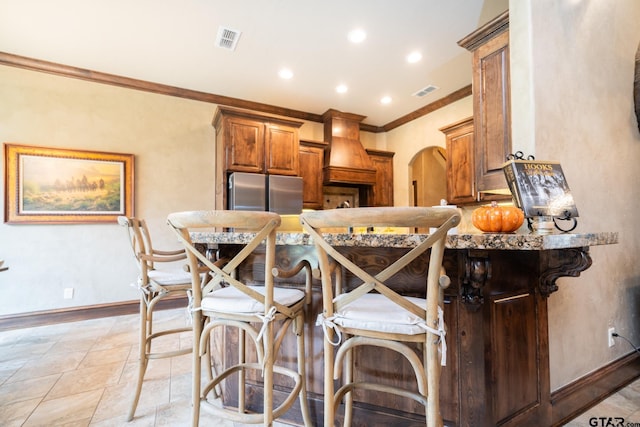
(497,370)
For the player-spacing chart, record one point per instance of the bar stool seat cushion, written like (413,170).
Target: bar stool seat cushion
(231,300)
(375,312)
(168,277)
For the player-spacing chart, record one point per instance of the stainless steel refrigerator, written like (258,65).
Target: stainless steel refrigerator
(260,192)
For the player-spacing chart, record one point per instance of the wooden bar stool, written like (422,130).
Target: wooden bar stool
(253,309)
(366,312)
(155,284)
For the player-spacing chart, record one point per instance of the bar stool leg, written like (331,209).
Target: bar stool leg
(304,404)
(142,357)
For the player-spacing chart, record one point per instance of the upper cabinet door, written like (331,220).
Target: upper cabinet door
(311,163)
(281,148)
(461,185)
(493,118)
(244,145)
(381,193)
(491,101)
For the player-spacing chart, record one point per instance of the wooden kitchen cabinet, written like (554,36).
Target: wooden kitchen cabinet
(243,141)
(491,101)
(311,163)
(256,143)
(460,170)
(381,193)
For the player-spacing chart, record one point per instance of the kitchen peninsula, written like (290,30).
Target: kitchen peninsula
(497,370)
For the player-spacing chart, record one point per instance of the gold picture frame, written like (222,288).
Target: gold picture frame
(55,186)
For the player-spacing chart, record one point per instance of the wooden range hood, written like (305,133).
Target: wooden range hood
(345,160)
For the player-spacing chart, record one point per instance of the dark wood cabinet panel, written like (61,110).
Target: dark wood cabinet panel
(244,145)
(381,193)
(311,161)
(257,143)
(492,111)
(461,180)
(281,150)
(514,354)
(491,101)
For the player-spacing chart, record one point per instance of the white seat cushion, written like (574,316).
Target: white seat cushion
(231,300)
(170,277)
(375,312)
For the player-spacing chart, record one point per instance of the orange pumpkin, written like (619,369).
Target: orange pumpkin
(497,219)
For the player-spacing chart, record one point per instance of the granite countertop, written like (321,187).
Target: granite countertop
(497,241)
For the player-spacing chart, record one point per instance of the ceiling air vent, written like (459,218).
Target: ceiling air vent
(227,38)
(424,91)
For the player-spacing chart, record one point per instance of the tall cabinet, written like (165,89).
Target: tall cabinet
(381,193)
(491,101)
(311,164)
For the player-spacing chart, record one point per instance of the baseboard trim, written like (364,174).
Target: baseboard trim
(75,314)
(575,398)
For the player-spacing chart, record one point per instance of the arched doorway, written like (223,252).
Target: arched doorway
(428,177)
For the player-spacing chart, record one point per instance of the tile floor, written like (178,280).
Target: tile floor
(82,374)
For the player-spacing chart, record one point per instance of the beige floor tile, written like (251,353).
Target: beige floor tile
(102,357)
(16,413)
(47,376)
(81,380)
(114,403)
(77,409)
(17,391)
(181,365)
(48,364)
(154,393)
(180,388)
(120,421)
(9,368)
(81,344)
(119,339)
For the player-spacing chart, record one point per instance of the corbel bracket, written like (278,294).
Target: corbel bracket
(558,263)
(477,272)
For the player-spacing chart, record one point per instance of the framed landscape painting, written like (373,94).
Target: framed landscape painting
(53,185)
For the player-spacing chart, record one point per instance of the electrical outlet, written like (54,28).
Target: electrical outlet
(610,337)
(68,293)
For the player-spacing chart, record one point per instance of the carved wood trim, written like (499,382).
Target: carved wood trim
(561,263)
(130,83)
(477,272)
(486,32)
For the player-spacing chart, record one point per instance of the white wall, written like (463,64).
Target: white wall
(173,143)
(578,110)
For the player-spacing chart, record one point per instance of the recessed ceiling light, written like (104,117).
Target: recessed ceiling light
(357,36)
(385,100)
(414,57)
(342,88)
(285,73)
